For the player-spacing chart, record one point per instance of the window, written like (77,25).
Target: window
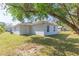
(48,28)
(54,28)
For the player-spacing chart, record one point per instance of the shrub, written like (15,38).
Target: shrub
(1,30)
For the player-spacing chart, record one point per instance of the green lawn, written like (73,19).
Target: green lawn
(65,43)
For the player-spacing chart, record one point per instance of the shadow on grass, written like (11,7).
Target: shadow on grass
(59,36)
(56,41)
(26,34)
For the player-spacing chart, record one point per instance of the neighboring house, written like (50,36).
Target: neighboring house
(39,28)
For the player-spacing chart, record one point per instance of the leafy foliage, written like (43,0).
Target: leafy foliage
(66,13)
(20,11)
(1,30)
(16,11)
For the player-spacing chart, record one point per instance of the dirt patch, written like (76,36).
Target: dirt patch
(28,49)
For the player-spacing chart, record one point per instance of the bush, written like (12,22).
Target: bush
(1,30)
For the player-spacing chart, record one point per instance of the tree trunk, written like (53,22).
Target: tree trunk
(78,12)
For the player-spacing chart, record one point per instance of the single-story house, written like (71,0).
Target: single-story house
(39,28)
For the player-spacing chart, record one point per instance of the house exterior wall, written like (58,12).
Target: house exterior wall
(39,29)
(42,29)
(25,29)
(16,30)
(52,30)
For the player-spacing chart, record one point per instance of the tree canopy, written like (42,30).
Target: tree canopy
(66,13)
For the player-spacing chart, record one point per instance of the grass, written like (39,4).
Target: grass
(63,44)
(9,42)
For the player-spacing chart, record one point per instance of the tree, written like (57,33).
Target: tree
(67,13)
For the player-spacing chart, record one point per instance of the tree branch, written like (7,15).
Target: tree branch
(69,13)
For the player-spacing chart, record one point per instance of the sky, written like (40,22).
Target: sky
(6,18)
